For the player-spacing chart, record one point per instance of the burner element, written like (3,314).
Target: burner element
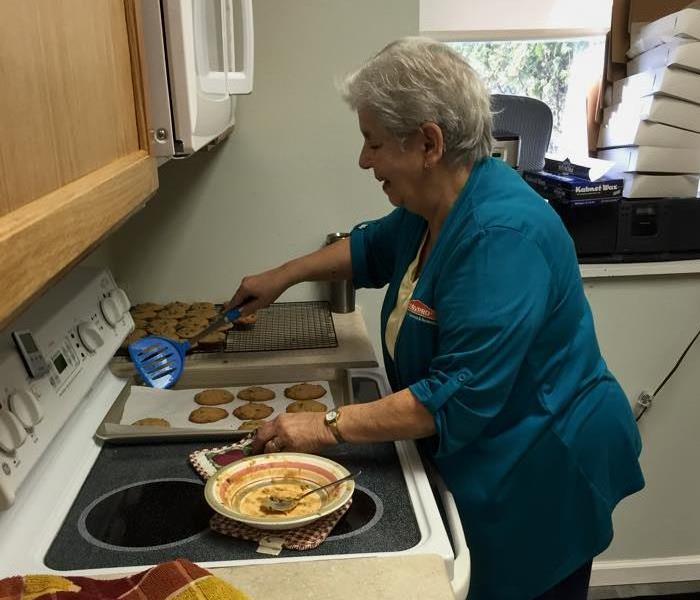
(366,509)
(147,515)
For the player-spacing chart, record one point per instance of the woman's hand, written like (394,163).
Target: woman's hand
(293,432)
(261,290)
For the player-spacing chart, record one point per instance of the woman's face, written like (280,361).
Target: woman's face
(399,169)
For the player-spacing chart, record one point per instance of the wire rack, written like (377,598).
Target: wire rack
(286,326)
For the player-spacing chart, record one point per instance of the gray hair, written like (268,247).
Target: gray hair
(415,80)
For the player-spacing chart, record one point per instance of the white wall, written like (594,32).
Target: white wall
(643,325)
(286,177)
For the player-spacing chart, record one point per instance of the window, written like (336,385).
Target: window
(558,57)
(559,72)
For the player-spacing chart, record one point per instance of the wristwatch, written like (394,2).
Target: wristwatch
(331,419)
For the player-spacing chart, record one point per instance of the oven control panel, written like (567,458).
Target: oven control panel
(49,359)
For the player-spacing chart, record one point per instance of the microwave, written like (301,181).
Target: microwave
(198,56)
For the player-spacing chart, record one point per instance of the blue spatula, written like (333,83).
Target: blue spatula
(159,360)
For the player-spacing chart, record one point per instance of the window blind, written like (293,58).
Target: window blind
(453,20)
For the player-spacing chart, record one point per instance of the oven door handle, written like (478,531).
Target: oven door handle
(462,563)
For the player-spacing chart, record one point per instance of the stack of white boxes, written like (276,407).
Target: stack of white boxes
(651,127)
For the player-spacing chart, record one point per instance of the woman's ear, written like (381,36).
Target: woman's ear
(433,143)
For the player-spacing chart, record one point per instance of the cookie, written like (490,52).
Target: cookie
(305,391)
(151,422)
(172,313)
(250,425)
(161,322)
(134,336)
(256,393)
(165,331)
(203,313)
(213,339)
(207,414)
(195,306)
(177,305)
(195,322)
(306,406)
(144,314)
(147,306)
(188,332)
(213,397)
(140,324)
(253,411)
(245,322)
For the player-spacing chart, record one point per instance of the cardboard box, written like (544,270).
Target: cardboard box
(638,185)
(652,159)
(684,24)
(619,30)
(676,83)
(617,43)
(626,132)
(659,109)
(680,54)
(646,11)
(569,188)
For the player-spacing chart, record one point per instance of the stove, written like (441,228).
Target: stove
(71,502)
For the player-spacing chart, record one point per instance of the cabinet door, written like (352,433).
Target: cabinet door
(73,163)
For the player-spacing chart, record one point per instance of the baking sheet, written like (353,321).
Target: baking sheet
(176,405)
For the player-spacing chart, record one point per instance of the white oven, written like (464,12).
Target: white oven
(198,56)
(73,503)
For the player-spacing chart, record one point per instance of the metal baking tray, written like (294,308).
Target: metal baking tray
(112,431)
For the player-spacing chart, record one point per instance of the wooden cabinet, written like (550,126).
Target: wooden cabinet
(73,153)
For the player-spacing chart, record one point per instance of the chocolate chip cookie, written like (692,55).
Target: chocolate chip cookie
(207,414)
(306,406)
(213,397)
(151,422)
(256,393)
(253,411)
(305,391)
(250,425)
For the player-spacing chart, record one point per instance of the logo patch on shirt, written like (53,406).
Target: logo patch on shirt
(422,312)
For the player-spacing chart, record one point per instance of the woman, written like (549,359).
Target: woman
(488,338)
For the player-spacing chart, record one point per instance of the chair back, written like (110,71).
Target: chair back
(528,118)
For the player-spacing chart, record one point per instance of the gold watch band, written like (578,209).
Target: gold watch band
(333,426)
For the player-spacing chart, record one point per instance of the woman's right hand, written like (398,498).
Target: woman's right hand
(261,290)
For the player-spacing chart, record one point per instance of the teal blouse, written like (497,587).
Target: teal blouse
(535,438)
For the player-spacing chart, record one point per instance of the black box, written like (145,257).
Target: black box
(659,225)
(592,224)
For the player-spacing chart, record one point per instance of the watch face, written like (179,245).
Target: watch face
(331,415)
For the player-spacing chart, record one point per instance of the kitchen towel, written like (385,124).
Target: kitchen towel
(176,580)
(208,460)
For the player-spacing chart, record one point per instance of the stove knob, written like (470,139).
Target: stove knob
(122,300)
(24,405)
(12,434)
(111,311)
(90,337)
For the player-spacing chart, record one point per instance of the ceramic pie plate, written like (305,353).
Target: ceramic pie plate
(229,486)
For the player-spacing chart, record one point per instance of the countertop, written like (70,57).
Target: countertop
(672,267)
(380,578)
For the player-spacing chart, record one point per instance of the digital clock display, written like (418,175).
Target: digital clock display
(60,363)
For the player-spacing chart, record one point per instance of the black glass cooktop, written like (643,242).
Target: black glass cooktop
(144,504)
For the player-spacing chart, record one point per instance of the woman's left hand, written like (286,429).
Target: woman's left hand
(293,432)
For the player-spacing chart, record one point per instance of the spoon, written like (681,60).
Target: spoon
(286,504)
